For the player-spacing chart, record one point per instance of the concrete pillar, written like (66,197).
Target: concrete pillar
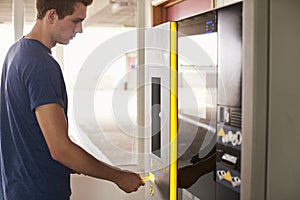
(143,20)
(60,55)
(18,18)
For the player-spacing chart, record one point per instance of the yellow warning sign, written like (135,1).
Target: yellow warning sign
(221,132)
(228,176)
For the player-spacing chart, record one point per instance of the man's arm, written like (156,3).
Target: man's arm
(52,121)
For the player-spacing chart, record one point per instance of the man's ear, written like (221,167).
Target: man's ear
(51,15)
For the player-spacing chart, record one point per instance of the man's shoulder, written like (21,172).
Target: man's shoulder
(31,53)
(33,45)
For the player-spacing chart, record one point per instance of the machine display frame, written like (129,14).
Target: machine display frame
(160,59)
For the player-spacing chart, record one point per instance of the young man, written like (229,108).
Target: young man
(36,153)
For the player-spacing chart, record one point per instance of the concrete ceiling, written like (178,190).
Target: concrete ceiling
(6,11)
(100,13)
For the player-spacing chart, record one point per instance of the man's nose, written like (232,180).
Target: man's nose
(78,28)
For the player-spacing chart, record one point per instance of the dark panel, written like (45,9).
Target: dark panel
(230,55)
(201,24)
(155,112)
(229,102)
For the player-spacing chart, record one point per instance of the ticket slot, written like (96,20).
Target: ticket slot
(228,115)
(229,157)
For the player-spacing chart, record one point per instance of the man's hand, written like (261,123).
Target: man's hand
(129,181)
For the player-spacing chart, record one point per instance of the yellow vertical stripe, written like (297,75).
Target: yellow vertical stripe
(173,112)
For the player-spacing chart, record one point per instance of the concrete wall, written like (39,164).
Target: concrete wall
(284,101)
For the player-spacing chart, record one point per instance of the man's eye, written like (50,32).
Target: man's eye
(76,21)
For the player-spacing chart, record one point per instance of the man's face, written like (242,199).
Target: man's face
(66,28)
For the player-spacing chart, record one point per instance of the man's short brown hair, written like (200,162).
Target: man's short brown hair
(62,7)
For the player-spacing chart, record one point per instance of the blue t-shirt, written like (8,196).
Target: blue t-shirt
(30,77)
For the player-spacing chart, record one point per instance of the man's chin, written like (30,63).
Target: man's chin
(64,42)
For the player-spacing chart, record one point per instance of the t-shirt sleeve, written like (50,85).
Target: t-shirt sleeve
(45,87)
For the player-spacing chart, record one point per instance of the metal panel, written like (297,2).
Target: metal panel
(255,83)
(158,68)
